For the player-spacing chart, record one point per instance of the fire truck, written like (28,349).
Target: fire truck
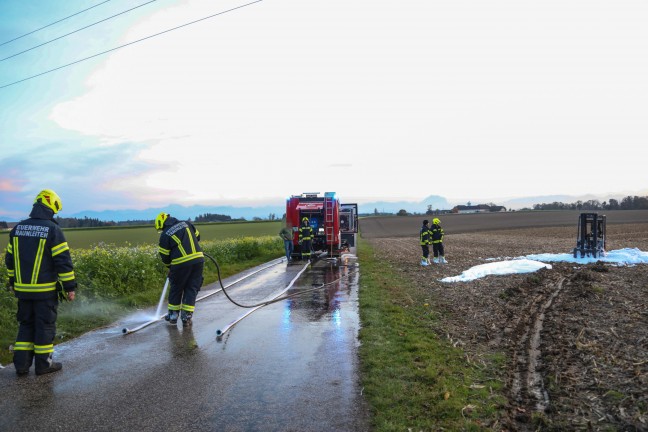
(334,225)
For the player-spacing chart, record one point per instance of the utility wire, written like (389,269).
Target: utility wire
(55,22)
(76,31)
(130,43)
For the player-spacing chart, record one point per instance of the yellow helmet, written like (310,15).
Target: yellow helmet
(304,219)
(159,221)
(50,199)
(436,221)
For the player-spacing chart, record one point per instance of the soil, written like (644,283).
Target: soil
(574,337)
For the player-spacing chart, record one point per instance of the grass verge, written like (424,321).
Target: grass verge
(412,378)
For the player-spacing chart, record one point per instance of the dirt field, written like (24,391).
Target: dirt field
(574,338)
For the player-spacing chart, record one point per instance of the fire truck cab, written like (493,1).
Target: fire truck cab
(334,225)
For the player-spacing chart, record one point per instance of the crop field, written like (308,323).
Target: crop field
(82,238)
(569,344)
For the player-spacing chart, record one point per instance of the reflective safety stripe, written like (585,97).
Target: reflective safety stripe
(17,260)
(9,248)
(38,260)
(186,258)
(60,248)
(164,251)
(11,272)
(180,248)
(23,346)
(43,287)
(173,307)
(66,277)
(191,242)
(43,349)
(188,308)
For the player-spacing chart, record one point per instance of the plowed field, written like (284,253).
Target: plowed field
(574,339)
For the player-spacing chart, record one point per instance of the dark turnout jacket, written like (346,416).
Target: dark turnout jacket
(179,243)
(38,257)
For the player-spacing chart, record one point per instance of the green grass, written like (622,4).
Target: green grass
(412,378)
(83,238)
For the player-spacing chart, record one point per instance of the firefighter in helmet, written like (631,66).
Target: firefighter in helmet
(437,242)
(40,272)
(181,253)
(425,236)
(305,238)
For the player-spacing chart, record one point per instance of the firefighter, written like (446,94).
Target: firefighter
(425,237)
(305,238)
(181,253)
(437,242)
(40,272)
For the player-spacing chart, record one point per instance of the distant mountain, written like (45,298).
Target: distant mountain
(437,202)
(183,213)
(249,213)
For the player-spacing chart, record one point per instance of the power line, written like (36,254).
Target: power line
(130,43)
(55,22)
(76,31)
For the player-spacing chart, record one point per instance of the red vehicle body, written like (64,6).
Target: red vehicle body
(334,224)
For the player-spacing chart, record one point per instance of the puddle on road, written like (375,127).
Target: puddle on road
(325,305)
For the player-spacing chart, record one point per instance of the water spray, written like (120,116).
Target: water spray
(158,314)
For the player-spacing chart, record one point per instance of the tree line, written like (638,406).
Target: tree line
(627,203)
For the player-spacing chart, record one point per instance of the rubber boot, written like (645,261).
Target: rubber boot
(424,262)
(186,318)
(22,362)
(172,317)
(442,260)
(45,364)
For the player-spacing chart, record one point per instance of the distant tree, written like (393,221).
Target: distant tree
(402,212)
(376,211)
(256,218)
(212,217)
(613,204)
(3,225)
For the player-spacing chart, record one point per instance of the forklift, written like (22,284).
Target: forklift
(590,240)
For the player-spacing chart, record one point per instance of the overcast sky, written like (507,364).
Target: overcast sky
(469,100)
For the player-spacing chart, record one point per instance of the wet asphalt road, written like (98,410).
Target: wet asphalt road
(289,366)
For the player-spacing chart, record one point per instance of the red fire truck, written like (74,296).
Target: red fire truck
(334,225)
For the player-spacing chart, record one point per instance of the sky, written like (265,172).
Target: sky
(468,100)
(532,263)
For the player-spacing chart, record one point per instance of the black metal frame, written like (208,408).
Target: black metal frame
(590,240)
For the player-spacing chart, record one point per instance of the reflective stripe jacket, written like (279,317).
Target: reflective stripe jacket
(38,257)
(425,235)
(305,232)
(437,233)
(179,243)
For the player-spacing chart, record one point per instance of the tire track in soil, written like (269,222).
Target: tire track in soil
(526,381)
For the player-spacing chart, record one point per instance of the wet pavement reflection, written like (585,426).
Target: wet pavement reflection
(291,365)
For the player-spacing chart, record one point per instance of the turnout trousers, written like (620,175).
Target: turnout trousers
(185,282)
(306,249)
(36,332)
(437,249)
(426,251)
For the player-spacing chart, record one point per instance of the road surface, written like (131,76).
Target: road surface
(290,366)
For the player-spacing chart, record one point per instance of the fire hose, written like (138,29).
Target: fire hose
(127,330)
(279,297)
